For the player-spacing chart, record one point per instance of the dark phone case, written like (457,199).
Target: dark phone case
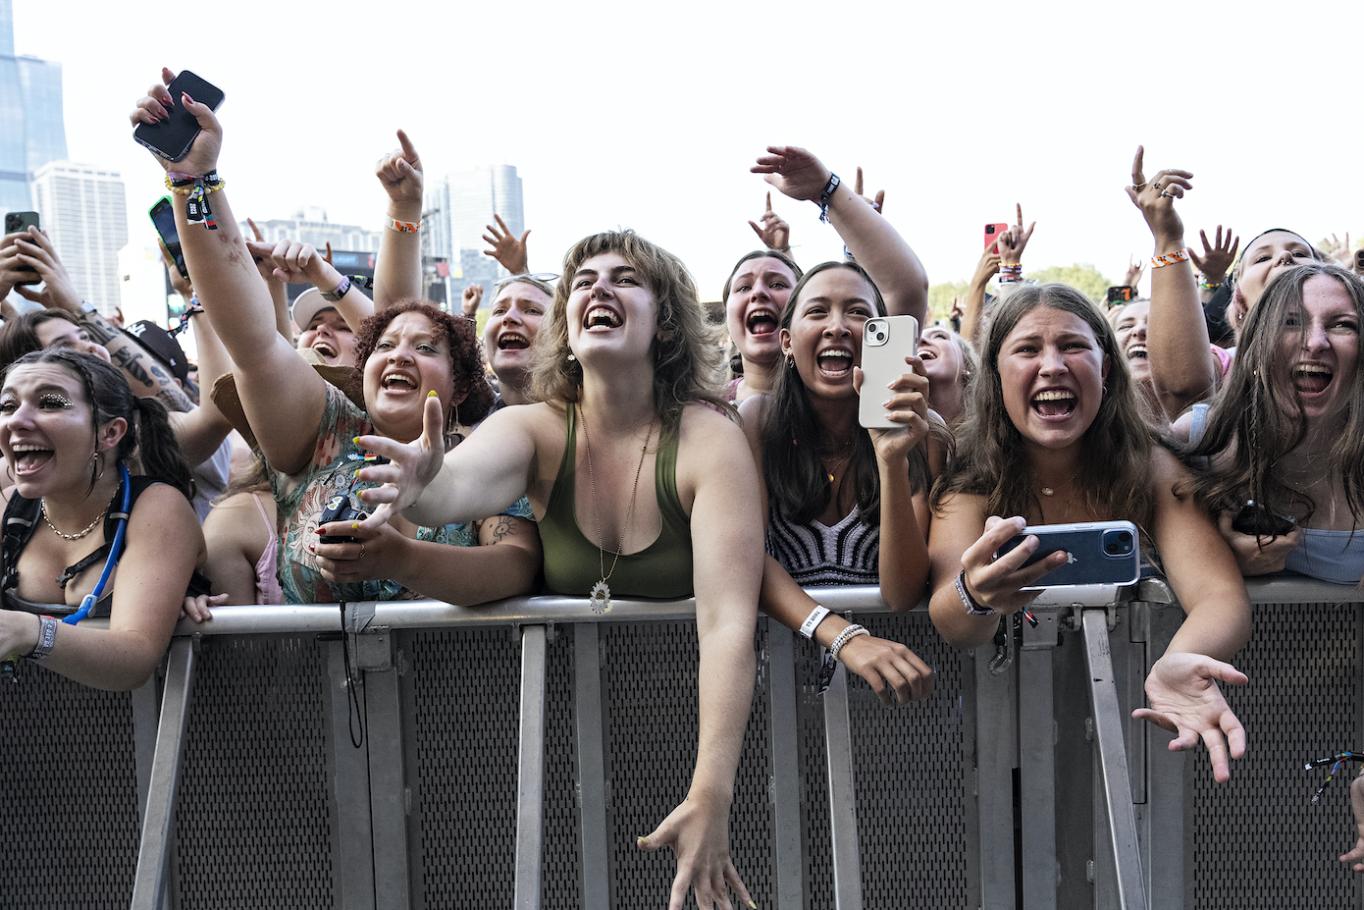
(1257,521)
(22,221)
(1089,564)
(163,219)
(172,137)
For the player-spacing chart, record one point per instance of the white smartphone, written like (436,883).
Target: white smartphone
(886,342)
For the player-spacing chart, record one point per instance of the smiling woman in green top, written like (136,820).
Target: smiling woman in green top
(643,487)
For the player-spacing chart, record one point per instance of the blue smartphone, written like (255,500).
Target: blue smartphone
(1101,553)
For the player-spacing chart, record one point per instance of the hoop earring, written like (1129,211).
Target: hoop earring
(790,361)
(9,470)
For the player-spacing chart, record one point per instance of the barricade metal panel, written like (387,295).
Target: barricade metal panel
(255,825)
(68,794)
(462,740)
(1257,841)
(650,673)
(562,887)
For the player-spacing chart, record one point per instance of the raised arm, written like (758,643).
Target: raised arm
(202,430)
(973,307)
(279,294)
(1177,334)
(296,262)
(727,560)
(398,270)
(510,252)
(237,301)
(481,476)
(869,237)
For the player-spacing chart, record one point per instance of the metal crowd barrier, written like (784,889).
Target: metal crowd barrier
(510,754)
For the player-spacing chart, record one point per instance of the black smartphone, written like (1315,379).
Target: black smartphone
(163,219)
(1120,294)
(172,137)
(1256,520)
(18,222)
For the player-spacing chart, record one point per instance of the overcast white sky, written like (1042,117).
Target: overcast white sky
(649,115)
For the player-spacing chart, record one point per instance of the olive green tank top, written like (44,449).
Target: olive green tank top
(573,563)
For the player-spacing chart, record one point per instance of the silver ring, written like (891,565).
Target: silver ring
(1138,187)
(1167,194)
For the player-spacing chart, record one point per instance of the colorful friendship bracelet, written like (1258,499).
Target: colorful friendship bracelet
(1161,260)
(404,227)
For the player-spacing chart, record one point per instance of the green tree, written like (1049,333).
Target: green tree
(1083,277)
(940,297)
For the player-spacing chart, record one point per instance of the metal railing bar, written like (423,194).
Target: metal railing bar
(787,859)
(847,861)
(158,820)
(530,771)
(591,755)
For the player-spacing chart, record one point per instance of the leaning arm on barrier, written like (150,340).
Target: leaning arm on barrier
(163,545)
(727,572)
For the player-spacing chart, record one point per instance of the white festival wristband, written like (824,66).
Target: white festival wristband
(807,628)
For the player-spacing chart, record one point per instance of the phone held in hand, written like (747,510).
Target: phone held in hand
(994,231)
(16,223)
(1100,553)
(1257,521)
(886,342)
(163,219)
(1120,294)
(173,137)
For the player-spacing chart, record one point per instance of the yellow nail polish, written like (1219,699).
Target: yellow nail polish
(431,394)
(355,525)
(355,439)
(639,842)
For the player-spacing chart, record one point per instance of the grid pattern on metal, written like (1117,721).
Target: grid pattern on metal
(1257,841)
(254,821)
(649,685)
(464,734)
(69,794)
(816,845)
(561,887)
(910,779)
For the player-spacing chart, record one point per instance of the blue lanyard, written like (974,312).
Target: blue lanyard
(115,550)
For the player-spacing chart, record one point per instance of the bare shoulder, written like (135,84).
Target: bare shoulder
(707,433)
(753,412)
(162,505)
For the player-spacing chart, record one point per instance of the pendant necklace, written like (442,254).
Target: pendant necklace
(600,595)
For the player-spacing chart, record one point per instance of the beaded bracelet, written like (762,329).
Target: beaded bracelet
(1011,274)
(404,227)
(185,184)
(847,635)
(1207,285)
(1161,260)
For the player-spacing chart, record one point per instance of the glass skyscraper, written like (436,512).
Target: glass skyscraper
(31,110)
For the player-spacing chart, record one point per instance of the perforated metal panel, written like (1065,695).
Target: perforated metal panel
(464,690)
(1257,841)
(255,824)
(68,793)
(650,687)
(910,777)
(561,888)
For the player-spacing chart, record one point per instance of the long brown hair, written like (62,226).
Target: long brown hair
(687,363)
(1256,420)
(991,460)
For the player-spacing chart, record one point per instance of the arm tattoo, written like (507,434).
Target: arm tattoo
(504,527)
(99,329)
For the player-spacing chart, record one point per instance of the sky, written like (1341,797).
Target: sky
(650,115)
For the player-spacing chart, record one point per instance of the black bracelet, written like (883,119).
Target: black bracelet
(973,606)
(826,196)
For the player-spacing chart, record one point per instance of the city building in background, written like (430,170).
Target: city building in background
(311,226)
(83,210)
(31,110)
(458,209)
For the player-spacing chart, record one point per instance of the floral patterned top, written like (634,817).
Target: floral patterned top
(303,497)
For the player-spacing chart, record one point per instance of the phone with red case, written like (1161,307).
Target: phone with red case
(994,231)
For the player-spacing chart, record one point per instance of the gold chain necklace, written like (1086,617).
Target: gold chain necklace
(600,595)
(42,510)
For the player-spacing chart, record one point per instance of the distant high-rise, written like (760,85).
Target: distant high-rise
(31,110)
(312,227)
(85,213)
(459,208)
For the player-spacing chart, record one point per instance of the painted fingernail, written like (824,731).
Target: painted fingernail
(355,439)
(431,394)
(356,472)
(752,904)
(355,525)
(641,842)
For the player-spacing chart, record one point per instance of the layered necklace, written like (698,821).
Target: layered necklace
(600,595)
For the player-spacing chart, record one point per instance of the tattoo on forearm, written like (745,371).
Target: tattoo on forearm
(99,329)
(504,527)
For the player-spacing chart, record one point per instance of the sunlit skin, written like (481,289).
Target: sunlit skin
(330,338)
(58,333)
(757,295)
(825,336)
(1262,261)
(512,326)
(1319,346)
(941,356)
(46,434)
(1052,371)
(411,358)
(611,315)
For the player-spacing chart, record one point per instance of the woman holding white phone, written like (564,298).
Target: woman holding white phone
(1054,435)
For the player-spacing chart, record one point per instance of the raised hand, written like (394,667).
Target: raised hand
(35,250)
(1156,199)
(156,106)
(1135,268)
(470,300)
(987,266)
(1014,241)
(698,833)
(878,201)
(895,673)
(998,583)
(1217,256)
(400,174)
(1182,692)
(1338,250)
(296,262)
(907,405)
(774,233)
(793,171)
(261,253)
(411,466)
(506,249)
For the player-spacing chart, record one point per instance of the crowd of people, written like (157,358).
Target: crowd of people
(596,441)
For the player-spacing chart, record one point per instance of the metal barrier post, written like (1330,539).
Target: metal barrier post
(1112,755)
(842,795)
(587,709)
(388,793)
(785,744)
(530,771)
(158,820)
(1163,822)
(1037,761)
(996,738)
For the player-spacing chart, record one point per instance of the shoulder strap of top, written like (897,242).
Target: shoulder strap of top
(20,516)
(665,471)
(264,519)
